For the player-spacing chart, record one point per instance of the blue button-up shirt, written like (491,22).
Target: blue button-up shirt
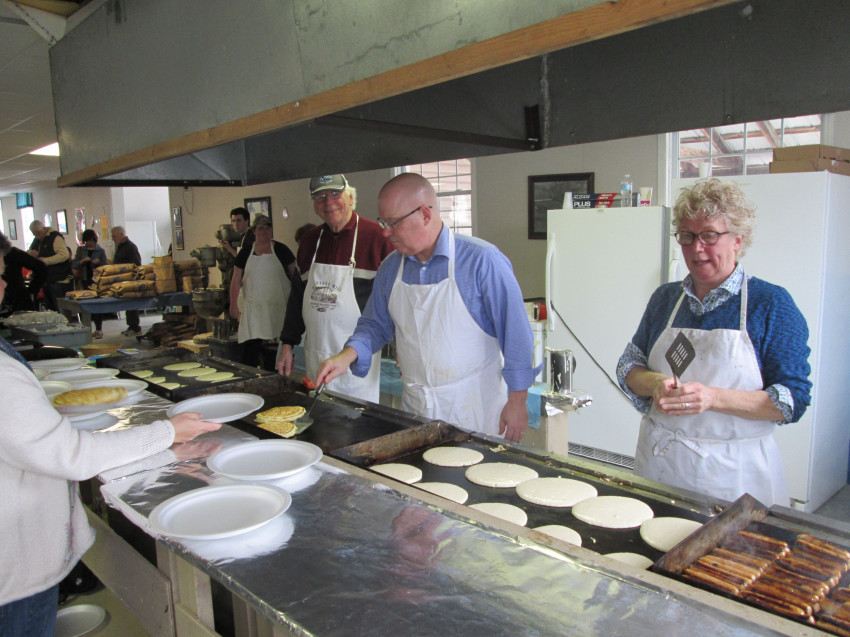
(489,291)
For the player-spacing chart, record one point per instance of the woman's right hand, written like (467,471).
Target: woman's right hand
(188,426)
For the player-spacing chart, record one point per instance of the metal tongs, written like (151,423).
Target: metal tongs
(305,421)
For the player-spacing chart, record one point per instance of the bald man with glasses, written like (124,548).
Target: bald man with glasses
(454,306)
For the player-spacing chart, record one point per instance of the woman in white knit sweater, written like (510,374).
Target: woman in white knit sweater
(42,522)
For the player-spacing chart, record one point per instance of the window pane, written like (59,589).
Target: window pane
(759,163)
(738,149)
(452,180)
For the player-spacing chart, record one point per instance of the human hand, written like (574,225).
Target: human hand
(234,311)
(686,399)
(188,425)
(335,366)
(284,360)
(513,420)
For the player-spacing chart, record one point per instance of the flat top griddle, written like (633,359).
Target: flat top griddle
(598,539)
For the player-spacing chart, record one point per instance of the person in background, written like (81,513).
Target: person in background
(711,430)
(262,273)
(88,258)
(239,222)
(21,294)
(301,231)
(127,252)
(49,246)
(338,261)
(455,308)
(42,456)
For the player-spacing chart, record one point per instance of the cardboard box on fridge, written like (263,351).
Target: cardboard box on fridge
(807,166)
(811,152)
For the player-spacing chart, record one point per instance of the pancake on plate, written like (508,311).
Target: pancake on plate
(90,396)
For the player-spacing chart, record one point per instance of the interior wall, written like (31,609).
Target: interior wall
(205,209)
(95,201)
(501,186)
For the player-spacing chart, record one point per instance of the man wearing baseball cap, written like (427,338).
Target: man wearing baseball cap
(337,261)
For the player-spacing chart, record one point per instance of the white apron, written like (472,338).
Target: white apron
(451,369)
(717,454)
(266,287)
(330,314)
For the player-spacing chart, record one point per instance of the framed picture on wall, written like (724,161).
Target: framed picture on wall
(259,206)
(178,239)
(61,222)
(48,220)
(546,192)
(13,230)
(177,216)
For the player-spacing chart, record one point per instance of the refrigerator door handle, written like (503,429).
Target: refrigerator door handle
(673,270)
(550,259)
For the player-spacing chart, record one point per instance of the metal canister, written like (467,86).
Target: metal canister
(562,364)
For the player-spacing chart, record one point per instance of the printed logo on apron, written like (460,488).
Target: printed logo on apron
(325,296)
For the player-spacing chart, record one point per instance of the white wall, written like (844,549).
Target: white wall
(205,209)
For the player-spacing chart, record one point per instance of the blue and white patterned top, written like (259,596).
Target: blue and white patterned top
(776,327)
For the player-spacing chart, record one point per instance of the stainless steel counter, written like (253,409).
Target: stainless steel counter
(360,554)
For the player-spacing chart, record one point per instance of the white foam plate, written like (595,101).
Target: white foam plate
(79,620)
(133,387)
(59,364)
(86,375)
(53,387)
(264,459)
(219,407)
(665,533)
(89,416)
(212,513)
(94,422)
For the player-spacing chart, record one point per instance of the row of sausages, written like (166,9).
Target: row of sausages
(799,583)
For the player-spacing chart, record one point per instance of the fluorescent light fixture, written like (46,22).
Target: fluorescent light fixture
(50,149)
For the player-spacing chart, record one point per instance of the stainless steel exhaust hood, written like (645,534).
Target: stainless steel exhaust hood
(193,92)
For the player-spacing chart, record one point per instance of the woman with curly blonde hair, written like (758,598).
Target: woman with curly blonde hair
(711,430)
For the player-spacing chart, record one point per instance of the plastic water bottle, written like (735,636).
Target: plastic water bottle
(626,191)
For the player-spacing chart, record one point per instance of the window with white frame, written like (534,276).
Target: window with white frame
(742,149)
(452,179)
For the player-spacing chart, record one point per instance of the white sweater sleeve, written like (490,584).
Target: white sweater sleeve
(34,437)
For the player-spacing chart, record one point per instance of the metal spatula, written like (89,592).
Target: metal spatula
(679,356)
(305,421)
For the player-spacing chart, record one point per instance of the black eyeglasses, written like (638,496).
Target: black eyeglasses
(391,224)
(328,194)
(708,238)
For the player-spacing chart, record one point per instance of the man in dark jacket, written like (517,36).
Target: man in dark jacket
(127,252)
(49,246)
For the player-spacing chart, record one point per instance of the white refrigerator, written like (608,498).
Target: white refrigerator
(603,264)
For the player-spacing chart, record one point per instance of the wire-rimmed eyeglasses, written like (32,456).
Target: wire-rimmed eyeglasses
(707,238)
(392,223)
(328,194)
